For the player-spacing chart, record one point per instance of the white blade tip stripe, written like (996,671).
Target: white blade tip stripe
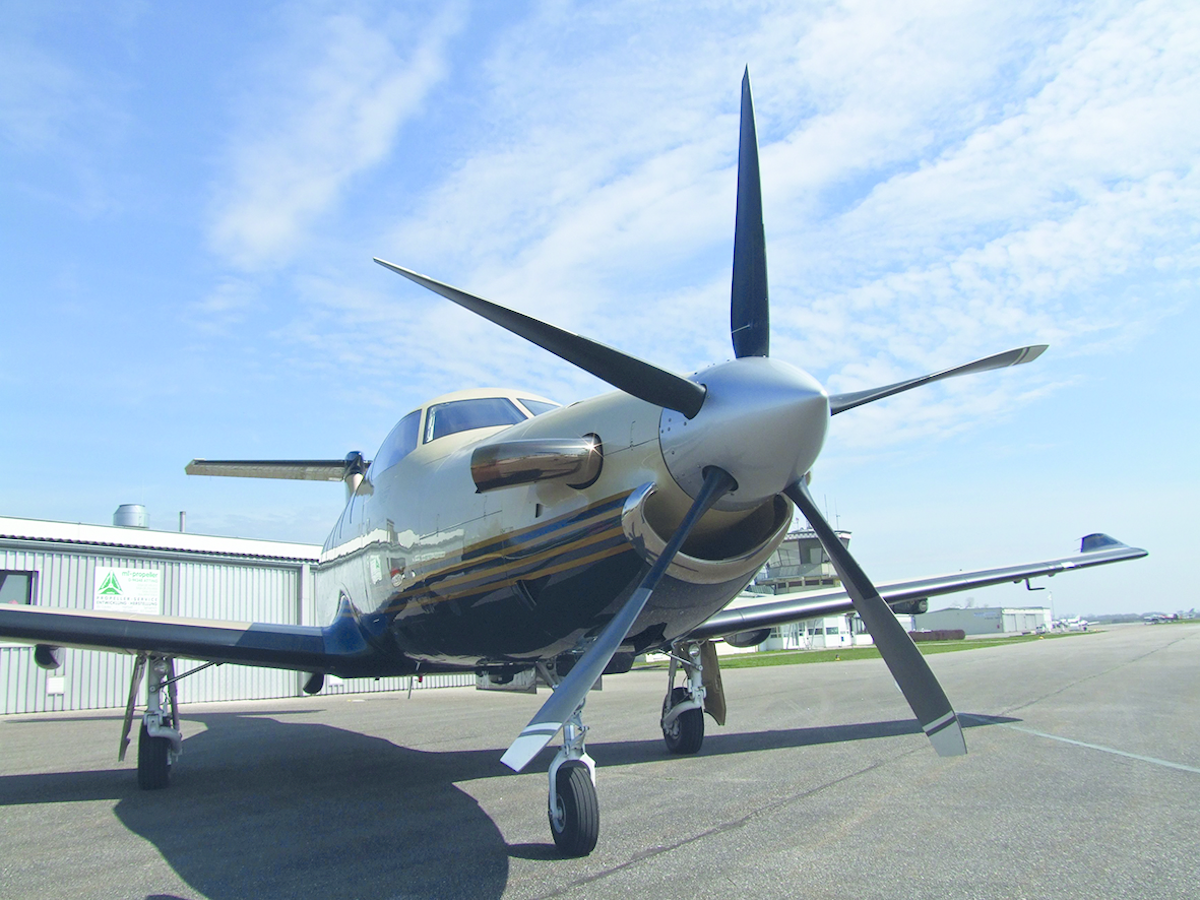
(939,723)
(528,745)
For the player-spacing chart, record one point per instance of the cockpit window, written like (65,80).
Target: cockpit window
(537,407)
(397,445)
(463,415)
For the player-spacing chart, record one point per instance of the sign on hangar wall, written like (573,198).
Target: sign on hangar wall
(128,591)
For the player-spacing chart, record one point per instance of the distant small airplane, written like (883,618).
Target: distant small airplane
(497,532)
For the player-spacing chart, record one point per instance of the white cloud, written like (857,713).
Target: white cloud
(330,107)
(942,181)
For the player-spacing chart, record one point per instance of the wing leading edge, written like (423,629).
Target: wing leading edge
(339,649)
(1095,550)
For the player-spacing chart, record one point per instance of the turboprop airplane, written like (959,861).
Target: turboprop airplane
(499,533)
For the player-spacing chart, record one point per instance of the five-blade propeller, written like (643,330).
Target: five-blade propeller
(750,332)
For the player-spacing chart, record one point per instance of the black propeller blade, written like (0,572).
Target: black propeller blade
(908,666)
(573,689)
(749,312)
(624,372)
(842,402)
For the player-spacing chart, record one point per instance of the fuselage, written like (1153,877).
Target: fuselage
(445,575)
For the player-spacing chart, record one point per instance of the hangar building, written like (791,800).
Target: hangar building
(134,569)
(987,619)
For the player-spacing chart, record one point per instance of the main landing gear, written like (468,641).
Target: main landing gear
(573,808)
(684,706)
(159,740)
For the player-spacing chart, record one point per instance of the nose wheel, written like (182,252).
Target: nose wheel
(573,808)
(575,815)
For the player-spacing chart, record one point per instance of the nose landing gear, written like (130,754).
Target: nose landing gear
(159,740)
(574,809)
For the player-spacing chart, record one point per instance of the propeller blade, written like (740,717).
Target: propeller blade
(749,309)
(573,689)
(624,372)
(908,666)
(842,402)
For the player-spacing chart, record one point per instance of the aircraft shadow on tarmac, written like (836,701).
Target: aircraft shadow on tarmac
(260,806)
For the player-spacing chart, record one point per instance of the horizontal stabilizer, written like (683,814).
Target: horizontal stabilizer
(297,469)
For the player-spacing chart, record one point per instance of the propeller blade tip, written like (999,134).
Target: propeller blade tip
(529,743)
(947,739)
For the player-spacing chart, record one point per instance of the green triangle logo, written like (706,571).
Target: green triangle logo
(110,585)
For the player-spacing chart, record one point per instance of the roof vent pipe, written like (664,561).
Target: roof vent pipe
(131,515)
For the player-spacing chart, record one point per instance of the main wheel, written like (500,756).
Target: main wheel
(575,822)
(154,761)
(686,733)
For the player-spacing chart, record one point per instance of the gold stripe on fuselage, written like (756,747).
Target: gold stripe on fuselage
(509,582)
(466,573)
(584,518)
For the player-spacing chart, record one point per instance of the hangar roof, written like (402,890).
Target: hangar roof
(144,538)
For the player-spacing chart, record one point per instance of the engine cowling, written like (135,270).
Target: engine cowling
(741,550)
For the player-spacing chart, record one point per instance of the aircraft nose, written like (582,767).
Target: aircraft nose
(763,422)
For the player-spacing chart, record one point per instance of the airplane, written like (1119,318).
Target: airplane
(500,533)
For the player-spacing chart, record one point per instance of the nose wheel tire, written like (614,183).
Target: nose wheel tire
(575,822)
(684,735)
(154,761)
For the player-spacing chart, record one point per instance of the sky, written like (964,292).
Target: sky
(192,195)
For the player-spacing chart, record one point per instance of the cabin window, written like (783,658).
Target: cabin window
(537,407)
(397,445)
(17,587)
(463,415)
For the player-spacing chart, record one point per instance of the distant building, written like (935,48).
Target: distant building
(801,564)
(987,620)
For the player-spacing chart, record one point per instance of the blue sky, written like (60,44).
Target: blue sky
(191,197)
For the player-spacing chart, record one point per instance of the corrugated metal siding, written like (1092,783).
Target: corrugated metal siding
(202,586)
(216,590)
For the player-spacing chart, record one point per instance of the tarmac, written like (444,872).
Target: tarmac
(1083,780)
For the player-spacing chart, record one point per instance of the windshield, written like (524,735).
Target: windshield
(397,445)
(537,407)
(464,415)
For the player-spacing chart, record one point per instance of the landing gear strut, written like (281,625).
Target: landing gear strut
(683,707)
(159,740)
(573,809)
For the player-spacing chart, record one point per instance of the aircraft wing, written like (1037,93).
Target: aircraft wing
(339,649)
(767,611)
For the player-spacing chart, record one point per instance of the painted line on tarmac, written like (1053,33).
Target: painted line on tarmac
(1137,756)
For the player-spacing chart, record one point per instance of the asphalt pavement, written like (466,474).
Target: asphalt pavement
(1082,780)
